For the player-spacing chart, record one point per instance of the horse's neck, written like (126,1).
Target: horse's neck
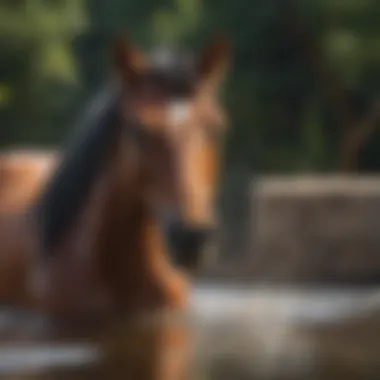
(129,246)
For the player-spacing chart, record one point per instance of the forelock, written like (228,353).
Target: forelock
(169,60)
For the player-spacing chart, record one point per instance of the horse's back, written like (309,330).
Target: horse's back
(23,174)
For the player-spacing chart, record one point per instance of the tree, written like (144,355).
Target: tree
(38,68)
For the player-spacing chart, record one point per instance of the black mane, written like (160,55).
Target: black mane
(64,196)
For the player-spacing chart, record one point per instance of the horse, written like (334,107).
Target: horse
(23,174)
(136,183)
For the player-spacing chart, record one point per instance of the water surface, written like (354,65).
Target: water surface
(230,332)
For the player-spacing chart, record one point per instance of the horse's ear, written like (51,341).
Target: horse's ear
(128,61)
(214,61)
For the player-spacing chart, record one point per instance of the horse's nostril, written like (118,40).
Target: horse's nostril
(187,242)
(191,237)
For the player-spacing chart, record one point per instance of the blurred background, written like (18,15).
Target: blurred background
(303,85)
(303,100)
(302,94)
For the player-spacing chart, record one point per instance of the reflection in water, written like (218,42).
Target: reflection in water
(151,348)
(41,357)
(230,333)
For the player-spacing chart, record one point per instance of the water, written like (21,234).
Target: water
(230,333)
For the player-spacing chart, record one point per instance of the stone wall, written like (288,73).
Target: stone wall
(315,229)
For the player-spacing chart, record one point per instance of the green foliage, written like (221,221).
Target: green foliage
(55,53)
(35,39)
(173,24)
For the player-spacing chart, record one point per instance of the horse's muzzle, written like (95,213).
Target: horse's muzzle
(188,243)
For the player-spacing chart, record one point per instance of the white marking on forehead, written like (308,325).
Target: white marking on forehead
(178,111)
(162,58)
